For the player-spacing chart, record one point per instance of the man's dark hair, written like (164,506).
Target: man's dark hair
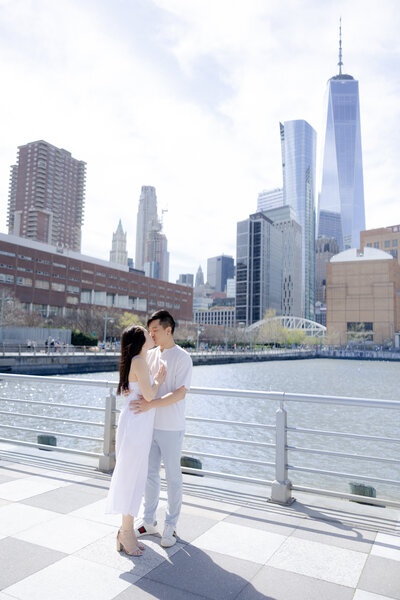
(166,319)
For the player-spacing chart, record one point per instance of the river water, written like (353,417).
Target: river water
(314,376)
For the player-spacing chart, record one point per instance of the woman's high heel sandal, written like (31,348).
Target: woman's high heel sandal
(136,551)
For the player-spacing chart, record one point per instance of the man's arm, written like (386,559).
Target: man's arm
(141,405)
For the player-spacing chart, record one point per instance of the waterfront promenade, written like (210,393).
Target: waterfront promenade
(88,360)
(57,543)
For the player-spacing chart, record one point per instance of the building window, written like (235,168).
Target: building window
(58,287)
(387,243)
(73,288)
(25,257)
(394,253)
(72,300)
(376,244)
(59,265)
(44,285)
(24,281)
(369,245)
(394,242)
(7,253)
(6,278)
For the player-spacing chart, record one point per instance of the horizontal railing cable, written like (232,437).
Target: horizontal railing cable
(52,448)
(57,380)
(231,440)
(356,436)
(350,476)
(229,476)
(57,404)
(46,418)
(347,496)
(344,455)
(59,433)
(249,461)
(225,422)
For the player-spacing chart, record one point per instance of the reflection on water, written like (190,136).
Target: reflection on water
(323,376)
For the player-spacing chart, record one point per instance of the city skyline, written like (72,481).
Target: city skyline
(163,112)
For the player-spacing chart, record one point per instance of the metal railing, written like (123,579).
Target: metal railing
(281,485)
(107,457)
(40,349)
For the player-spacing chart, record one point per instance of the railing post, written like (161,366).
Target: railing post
(107,461)
(281,488)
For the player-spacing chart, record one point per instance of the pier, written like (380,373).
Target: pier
(239,537)
(56,542)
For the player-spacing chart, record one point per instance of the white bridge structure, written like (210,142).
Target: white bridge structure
(310,328)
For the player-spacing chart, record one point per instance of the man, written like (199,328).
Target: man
(169,425)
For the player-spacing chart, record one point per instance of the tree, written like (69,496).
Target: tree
(271,332)
(127,319)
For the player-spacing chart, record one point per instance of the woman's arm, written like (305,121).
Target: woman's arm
(140,369)
(141,405)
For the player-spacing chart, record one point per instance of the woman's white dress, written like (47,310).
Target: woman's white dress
(134,437)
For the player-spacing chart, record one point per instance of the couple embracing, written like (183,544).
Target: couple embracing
(154,382)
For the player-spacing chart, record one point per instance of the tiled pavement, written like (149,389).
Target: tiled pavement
(56,542)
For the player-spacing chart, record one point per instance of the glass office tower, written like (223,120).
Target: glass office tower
(299,141)
(341,211)
(258,268)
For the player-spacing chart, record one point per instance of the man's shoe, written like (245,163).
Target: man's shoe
(143,528)
(168,537)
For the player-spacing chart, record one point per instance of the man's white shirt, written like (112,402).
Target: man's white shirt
(179,373)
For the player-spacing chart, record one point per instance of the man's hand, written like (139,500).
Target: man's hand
(140,405)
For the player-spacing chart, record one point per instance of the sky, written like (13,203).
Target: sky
(187,96)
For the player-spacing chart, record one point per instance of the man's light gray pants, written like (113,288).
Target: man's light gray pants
(168,445)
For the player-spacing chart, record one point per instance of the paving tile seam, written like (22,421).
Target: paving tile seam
(249,581)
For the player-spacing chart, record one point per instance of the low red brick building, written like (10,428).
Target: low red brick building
(55,281)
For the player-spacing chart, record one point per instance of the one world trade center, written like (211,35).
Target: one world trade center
(341,213)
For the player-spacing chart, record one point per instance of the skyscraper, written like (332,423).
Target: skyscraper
(186,279)
(151,244)
(147,215)
(199,277)
(219,269)
(258,268)
(298,140)
(269,199)
(157,256)
(283,218)
(119,254)
(46,197)
(341,212)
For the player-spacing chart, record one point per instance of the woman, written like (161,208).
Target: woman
(134,435)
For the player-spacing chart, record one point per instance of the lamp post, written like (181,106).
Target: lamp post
(106,320)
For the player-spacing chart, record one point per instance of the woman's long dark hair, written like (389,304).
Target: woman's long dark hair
(132,341)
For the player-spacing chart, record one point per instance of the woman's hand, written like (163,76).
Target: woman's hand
(161,375)
(139,405)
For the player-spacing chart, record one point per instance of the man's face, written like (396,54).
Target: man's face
(158,333)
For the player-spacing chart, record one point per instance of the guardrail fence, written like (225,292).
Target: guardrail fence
(281,485)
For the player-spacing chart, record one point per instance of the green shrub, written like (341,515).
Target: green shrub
(78,338)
